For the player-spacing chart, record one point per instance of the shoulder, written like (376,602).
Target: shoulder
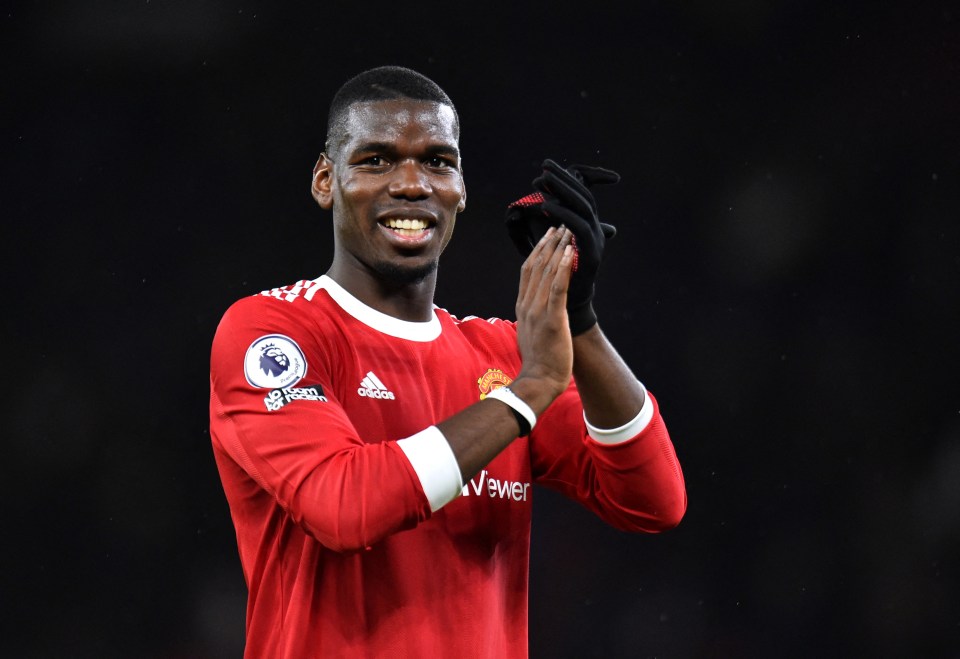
(284,304)
(288,311)
(270,333)
(475,324)
(496,334)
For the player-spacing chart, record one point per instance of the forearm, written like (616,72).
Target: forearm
(480,432)
(609,391)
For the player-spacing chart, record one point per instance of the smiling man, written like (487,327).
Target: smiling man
(376,451)
(399,164)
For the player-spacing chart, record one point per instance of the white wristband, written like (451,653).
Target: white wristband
(507,397)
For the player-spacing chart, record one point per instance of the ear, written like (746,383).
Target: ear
(322,185)
(463,197)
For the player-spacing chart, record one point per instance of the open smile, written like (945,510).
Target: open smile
(406,226)
(409,231)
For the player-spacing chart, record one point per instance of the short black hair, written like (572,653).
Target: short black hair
(382,83)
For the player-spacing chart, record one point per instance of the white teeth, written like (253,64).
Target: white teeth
(406,223)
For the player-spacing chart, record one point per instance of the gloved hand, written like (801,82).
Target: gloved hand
(563,196)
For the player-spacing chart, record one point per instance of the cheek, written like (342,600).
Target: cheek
(352,188)
(449,234)
(452,191)
(347,192)
(350,199)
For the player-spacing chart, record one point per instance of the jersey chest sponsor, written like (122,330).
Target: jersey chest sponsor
(485,485)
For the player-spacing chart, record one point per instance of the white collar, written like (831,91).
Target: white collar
(401,329)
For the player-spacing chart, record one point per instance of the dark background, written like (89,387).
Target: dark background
(784,279)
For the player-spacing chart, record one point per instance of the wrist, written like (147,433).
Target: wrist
(523,413)
(537,393)
(591,335)
(581,318)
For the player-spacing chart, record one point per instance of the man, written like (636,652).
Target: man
(377,452)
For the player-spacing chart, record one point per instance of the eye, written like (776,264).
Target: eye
(439,162)
(375,161)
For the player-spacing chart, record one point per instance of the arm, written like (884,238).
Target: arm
(634,479)
(624,467)
(609,391)
(484,429)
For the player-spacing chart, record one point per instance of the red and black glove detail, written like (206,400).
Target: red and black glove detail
(563,196)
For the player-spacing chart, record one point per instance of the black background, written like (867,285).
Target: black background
(784,279)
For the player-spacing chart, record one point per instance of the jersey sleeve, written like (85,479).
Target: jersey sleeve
(273,414)
(633,483)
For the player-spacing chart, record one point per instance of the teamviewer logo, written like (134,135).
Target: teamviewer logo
(371,387)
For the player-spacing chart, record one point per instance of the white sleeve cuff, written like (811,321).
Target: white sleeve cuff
(628,430)
(436,466)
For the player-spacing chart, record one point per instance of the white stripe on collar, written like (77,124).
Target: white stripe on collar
(401,329)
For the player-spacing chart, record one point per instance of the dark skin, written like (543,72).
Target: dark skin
(395,186)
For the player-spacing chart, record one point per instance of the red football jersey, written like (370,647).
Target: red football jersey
(355,534)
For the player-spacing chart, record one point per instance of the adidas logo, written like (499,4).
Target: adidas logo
(371,387)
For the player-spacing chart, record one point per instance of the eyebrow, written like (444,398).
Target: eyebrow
(373,146)
(390,149)
(443,150)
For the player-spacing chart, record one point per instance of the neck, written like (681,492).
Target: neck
(410,301)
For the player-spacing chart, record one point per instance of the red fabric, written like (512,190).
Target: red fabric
(340,552)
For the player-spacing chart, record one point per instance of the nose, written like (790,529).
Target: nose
(410,181)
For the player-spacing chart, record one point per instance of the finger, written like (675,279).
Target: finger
(580,226)
(551,265)
(574,195)
(570,178)
(540,265)
(561,281)
(548,258)
(557,175)
(529,273)
(595,175)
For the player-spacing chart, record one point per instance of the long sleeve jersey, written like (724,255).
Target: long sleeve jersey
(351,542)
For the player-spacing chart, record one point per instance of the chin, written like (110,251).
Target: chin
(402,274)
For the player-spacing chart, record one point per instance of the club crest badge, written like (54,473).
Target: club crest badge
(494,378)
(274,362)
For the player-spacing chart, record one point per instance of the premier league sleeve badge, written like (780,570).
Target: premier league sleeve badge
(274,362)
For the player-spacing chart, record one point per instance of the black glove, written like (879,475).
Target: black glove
(563,197)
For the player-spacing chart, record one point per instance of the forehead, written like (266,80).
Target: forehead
(400,120)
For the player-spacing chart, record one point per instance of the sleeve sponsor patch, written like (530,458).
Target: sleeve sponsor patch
(274,361)
(280,397)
